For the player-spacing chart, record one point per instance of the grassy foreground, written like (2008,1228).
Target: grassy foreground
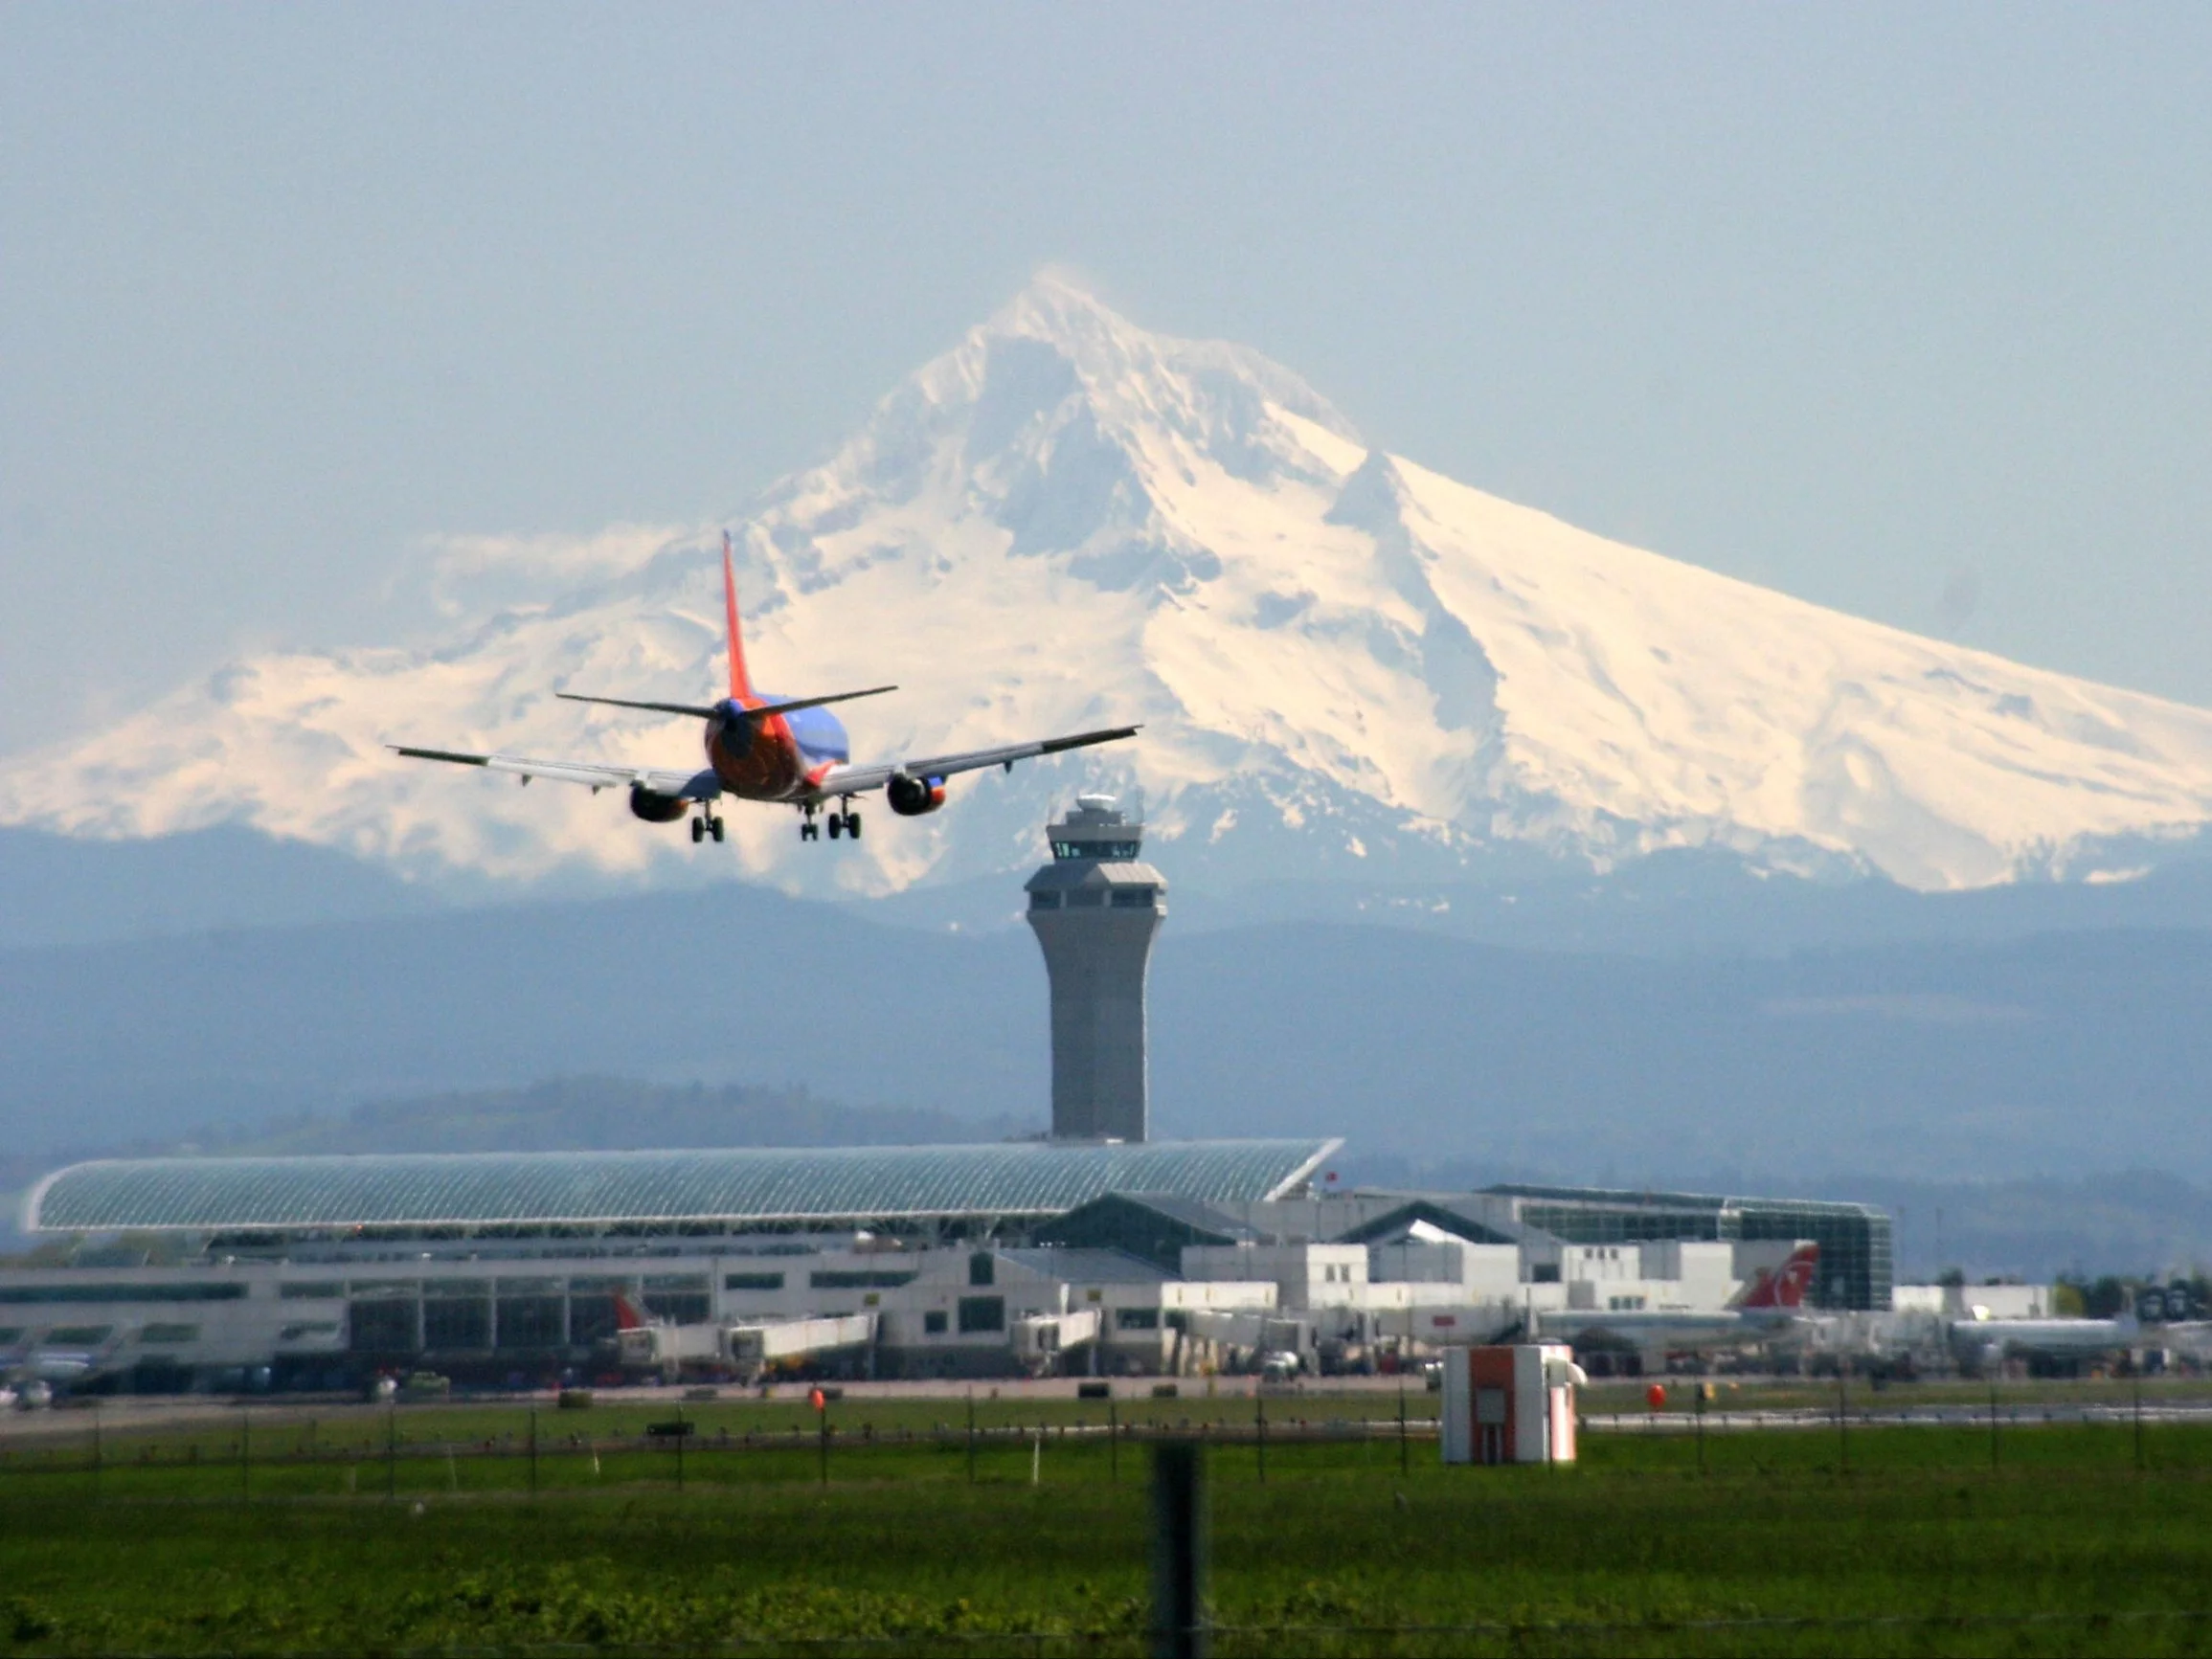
(1919,1545)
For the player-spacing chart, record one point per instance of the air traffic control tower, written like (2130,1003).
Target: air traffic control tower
(1096,908)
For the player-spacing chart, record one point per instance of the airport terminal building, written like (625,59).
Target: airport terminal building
(1095,1251)
(1022,1258)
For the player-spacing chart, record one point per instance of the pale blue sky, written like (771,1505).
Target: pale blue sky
(1865,304)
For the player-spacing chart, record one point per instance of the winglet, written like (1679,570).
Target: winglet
(740,682)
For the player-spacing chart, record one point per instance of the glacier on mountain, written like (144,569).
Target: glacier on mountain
(1343,662)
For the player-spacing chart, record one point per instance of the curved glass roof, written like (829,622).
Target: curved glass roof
(723,1185)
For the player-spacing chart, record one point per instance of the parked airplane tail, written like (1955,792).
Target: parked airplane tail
(626,1316)
(1786,1286)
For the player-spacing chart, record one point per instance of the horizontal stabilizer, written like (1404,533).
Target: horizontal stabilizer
(761,712)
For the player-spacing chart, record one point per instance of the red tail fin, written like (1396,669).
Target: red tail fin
(740,682)
(626,1317)
(1785,1287)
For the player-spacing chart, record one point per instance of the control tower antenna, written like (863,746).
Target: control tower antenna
(1094,908)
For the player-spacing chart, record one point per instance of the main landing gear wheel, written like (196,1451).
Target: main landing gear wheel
(715,829)
(698,830)
(836,826)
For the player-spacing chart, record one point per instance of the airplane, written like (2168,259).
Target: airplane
(1981,1343)
(1770,1306)
(789,751)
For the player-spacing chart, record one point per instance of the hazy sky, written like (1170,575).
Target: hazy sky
(1899,309)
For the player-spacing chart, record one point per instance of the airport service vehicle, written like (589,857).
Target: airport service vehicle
(787,752)
(1771,1306)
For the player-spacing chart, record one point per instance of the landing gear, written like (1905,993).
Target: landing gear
(715,829)
(705,825)
(846,824)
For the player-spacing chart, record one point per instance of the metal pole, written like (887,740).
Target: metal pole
(2139,1371)
(680,1437)
(1178,1551)
(1992,1422)
(391,1450)
(971,1434)
(824,1416)
(1259,1412)
(1843,1413)
(98,1450)
(245,1455)
(533,1451)
(1701,1427)
(1405,1450)
(1114,1438)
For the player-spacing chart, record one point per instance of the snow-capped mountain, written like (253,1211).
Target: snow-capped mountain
(1342,661)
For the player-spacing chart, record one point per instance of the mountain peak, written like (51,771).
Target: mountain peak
(1343,662)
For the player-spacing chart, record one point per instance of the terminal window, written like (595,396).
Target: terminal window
(450,1322)
(983,1314)
(679,1307)
(1136,1319)
(532,1321)
(753,1282)
(859,1278)
(934,1324)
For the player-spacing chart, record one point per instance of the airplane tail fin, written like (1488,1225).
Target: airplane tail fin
(626,1316)
(1785,1286)
(740,682)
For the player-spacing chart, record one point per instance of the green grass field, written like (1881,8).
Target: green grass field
(1893,1540)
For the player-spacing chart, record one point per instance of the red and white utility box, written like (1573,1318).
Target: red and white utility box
(1510,1404)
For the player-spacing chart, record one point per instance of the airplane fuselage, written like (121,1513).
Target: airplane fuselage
(781,758)
(1665,1331)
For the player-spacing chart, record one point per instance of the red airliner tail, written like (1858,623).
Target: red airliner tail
(1787,1286)
(740,682)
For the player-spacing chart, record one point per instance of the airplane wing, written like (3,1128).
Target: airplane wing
(860,779)
(594,774)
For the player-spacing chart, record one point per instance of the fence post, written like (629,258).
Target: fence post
(1843,1414)
(98,1450)
(1114,1436)
(2139,1375)
(1993,1422)
(245,1455)
(1178,1550)
(1259,1415)
(971,1434)
(391,1450)
(1702,1387)
(533,1451)
(680,1437)
(1405,1450)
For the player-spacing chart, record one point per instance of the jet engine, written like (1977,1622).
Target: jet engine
(911,796)
(654,807)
